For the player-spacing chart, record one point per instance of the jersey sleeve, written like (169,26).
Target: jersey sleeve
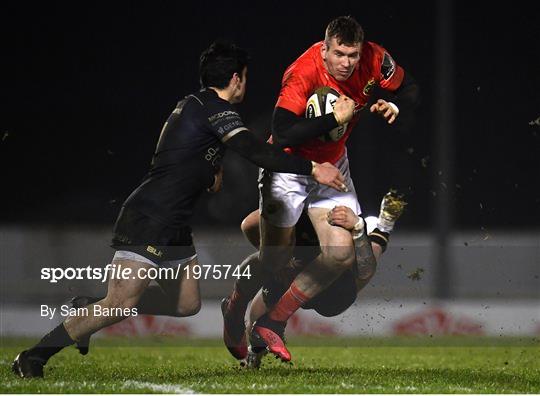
(390,73)
(295,90)
(225,122)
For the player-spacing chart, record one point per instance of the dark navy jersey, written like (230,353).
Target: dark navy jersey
(188,153)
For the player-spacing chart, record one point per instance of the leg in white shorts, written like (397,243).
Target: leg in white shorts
(283,196)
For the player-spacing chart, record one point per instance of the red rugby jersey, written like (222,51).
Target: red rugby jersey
(307,73)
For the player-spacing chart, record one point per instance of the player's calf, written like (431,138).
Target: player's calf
(79,302)
(234,329)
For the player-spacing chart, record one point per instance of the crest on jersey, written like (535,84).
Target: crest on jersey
(369,87)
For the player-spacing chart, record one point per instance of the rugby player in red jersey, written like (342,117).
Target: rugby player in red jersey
(352,67)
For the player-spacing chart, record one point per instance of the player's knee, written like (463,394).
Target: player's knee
(340,257)
(250,233)
(118,303)
(189,308)
(250,228)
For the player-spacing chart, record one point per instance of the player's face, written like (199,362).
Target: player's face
(240,88)
(340,59)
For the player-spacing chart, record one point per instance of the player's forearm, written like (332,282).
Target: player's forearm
(288,129)
(268,156)
(366,263)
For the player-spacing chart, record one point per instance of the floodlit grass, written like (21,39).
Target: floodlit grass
(164,365)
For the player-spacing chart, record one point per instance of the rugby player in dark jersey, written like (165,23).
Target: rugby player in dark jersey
(152,229)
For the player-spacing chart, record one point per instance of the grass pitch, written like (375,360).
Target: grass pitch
(344,366)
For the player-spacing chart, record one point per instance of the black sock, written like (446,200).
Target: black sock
(379,237)
(51,344)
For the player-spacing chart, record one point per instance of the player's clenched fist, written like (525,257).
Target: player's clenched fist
(343,216)
(328,174)
(387,109)
(344,109)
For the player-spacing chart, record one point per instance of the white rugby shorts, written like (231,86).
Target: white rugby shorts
(283,196)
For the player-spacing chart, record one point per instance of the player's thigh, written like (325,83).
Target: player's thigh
(182,287)
(322,199)
(282,197)
(127,281)
(272,235)
(328,234)
(277,245)
(336,242)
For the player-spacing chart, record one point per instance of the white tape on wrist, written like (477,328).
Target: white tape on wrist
(358,229)
(394,107)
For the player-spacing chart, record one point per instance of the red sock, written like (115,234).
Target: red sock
(288,304)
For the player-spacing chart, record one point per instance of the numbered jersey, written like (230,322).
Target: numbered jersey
(188,153)
(308,74)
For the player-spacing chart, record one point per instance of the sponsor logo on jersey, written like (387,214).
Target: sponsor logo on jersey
(369,87)
(227,113)
(154,251)
(231,125)
(388,66)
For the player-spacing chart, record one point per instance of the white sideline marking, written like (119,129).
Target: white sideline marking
(162,388)
(459,389)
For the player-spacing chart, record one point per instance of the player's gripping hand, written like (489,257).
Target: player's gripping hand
(218,181)
(387,109)
(344,109)
(343,216)
(329,175)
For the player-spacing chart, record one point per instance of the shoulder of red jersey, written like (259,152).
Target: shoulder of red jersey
(390,73)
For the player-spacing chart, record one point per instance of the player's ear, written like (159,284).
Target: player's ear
(324,49)
(235,79)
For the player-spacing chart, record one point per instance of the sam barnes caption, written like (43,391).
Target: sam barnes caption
(95,310)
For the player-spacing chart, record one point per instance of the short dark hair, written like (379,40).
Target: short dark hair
(219,62)
(346,30)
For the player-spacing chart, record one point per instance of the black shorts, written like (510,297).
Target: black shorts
(332,301)
(150,238)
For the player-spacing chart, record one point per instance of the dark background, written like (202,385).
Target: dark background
(86,88)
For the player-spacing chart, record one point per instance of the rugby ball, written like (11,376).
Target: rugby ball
(322,102)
